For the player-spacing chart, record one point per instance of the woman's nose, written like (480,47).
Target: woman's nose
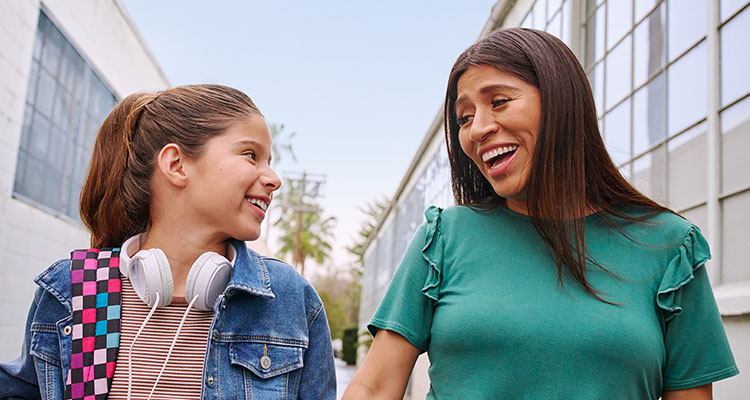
(482,126)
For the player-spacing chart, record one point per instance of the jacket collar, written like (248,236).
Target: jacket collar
(250,273)
(56,281)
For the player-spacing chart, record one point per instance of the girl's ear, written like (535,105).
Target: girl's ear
(171,165)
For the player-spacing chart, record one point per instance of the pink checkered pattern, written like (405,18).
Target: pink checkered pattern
(95,285)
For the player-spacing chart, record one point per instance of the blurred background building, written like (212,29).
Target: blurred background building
(672,92)
(63,68)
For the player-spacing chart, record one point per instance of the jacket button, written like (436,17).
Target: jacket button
(265,362)
(210,379)
(67,330)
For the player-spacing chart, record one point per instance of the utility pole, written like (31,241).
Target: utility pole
(300,195)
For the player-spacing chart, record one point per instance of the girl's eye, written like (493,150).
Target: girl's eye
(499,102)
(251,154)
(463,120)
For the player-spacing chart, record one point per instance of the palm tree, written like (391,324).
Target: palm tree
(305,234)
(281,146)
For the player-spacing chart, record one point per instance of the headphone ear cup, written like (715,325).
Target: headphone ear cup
(149,273)
(208,277)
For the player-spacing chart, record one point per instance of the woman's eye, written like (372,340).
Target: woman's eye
(251,154)
(499,102)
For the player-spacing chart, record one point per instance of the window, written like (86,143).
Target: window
(647,61)
(65,104)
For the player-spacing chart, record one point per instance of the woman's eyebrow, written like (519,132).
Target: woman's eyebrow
(489,88)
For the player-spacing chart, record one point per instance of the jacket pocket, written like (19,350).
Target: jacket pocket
(269,371)
(45,343)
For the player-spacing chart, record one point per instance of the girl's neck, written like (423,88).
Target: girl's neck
(182,249)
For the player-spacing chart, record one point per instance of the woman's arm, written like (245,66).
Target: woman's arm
(386,369)
(697,393)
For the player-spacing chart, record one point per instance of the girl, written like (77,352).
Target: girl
(552,278)
(169,302)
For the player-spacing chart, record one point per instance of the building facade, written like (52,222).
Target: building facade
(673,102)
(63,66)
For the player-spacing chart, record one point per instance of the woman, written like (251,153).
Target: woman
(170,303)
(553,277)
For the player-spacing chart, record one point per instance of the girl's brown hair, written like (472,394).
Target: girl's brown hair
(571,172)
(115,200)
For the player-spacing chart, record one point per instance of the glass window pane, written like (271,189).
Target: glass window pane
(555,26)
(650,114)
(618,73)
(650,46)
(566,16)
(50,169)
(688,176)
(45,93)
(688,89)
(698,216)
(540,19)
(729,7)
(735,220)
(735,143)
(735,58)
(625,171)
(649,174)
(33,81)
(617,133)
(39,132)
(687,24)
(527,21)
(642,7)
(591,4)
(595,36)
(619,20)
(52,49)
(552,7)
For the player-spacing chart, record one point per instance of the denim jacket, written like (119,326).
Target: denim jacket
(266,304)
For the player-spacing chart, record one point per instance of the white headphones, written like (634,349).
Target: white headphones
(149,272)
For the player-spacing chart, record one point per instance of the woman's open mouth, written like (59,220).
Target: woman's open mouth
(497,160)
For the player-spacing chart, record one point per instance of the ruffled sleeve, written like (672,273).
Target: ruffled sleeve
(432,252)
(692,255)
(692,320)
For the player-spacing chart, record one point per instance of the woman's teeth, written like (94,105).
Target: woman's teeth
(498,152)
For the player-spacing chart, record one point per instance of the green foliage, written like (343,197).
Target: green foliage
(349,345)
(313,232)
(373,212)
(335,313)
(281,143)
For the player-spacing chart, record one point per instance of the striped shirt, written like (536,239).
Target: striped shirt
(182,376)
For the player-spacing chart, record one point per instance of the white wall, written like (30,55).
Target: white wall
(31,239)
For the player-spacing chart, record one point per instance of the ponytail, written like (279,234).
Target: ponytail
(102,205)
(116,195)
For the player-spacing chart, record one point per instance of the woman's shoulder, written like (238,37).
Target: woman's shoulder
(664,226)
(455,214)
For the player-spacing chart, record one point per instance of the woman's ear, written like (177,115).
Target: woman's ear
(171,165)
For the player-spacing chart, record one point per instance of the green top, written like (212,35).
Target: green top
(479,292)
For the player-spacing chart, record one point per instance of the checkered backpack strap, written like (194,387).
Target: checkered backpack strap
(95,284)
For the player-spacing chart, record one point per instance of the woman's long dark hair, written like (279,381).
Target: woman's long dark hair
(572,172)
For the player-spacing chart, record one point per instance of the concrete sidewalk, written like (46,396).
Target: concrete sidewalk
(344,374)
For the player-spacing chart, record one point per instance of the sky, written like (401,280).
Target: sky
(358,82)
